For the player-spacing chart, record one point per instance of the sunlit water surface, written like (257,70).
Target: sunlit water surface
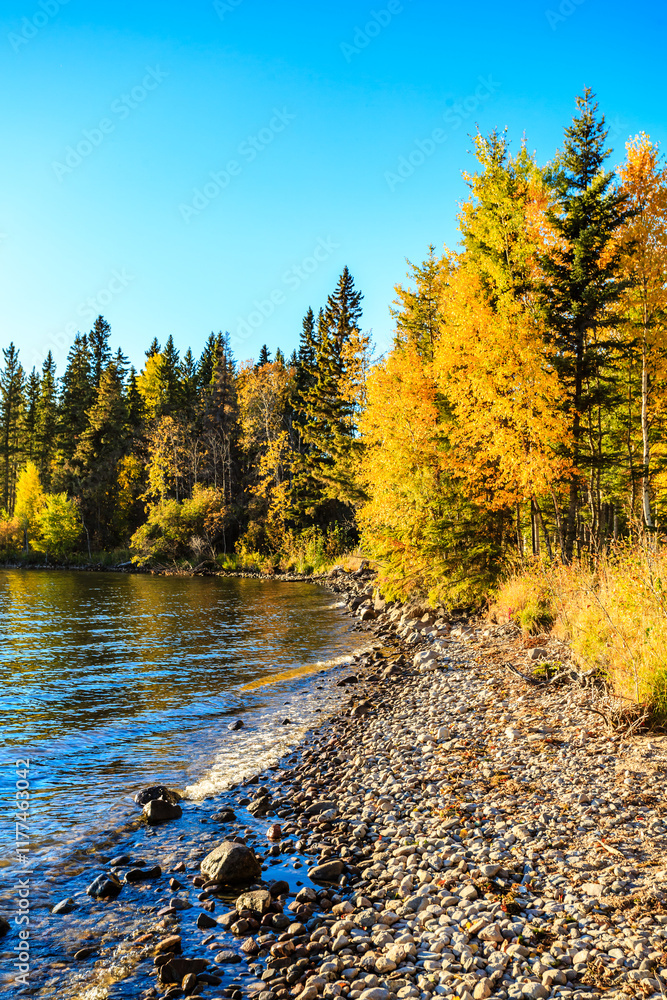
(111,682)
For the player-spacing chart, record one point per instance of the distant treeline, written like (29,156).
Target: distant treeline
(521,410)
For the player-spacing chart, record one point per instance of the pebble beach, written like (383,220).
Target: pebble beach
(460,827)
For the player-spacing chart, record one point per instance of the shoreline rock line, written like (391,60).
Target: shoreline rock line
(457,830)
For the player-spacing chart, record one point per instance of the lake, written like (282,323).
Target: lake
(113,681)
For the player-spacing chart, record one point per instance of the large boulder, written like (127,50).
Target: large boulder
(230,862)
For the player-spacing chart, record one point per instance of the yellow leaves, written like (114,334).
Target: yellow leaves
(152,384)
(262,395)
(29,497)
(493,368)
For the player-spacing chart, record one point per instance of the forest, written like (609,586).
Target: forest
(519,413)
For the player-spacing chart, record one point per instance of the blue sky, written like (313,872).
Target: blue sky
(183,168)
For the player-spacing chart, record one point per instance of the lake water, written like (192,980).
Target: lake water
(111,682)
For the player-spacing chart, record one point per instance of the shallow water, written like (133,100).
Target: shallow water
(110,682)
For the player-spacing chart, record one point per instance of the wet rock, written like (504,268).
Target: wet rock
(344,681)
(278,888)
(171,943)
(275,832)
(328,871)
(64,906)
(143,874)
(238,724)
(227,957)
(156,792)
(286,722)
(224,816)
(161,811)
(4,927)
(260,806)
(175,970)
(230,862)
(188,984)
(104,887)
(257,900)
(204,922)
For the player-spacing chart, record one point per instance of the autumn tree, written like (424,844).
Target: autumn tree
(644,304)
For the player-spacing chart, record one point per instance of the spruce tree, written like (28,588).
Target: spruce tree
(95,461)
(154,348)
(100,352)
(76,396)
(47,420)
(29,432)
(264,357)
(172,377)
(12,383)
(581,289)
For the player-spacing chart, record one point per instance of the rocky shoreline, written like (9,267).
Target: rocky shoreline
(461,828)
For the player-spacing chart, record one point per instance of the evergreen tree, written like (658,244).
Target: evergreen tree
(47,420)
(264,357)
(154,348)
(11,410)
(172,377)
(102,445)
(76,396)
(581,289)
(29,435)
(280,358)
(100,352)
(343,311)
(188,379)
(416,311)
(207,363)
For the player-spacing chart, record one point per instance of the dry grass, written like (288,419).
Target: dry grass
(612,613)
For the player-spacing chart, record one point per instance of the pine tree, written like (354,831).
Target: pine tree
(581,289)
(154,348)
(100,352)
(12,382)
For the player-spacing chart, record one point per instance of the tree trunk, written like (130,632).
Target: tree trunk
(646,449)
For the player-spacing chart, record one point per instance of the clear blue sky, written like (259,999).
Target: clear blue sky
(116,113)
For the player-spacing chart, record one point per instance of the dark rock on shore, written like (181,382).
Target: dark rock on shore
(230,862)
(156,792)
(233,726)
(104,886)
(161,811)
